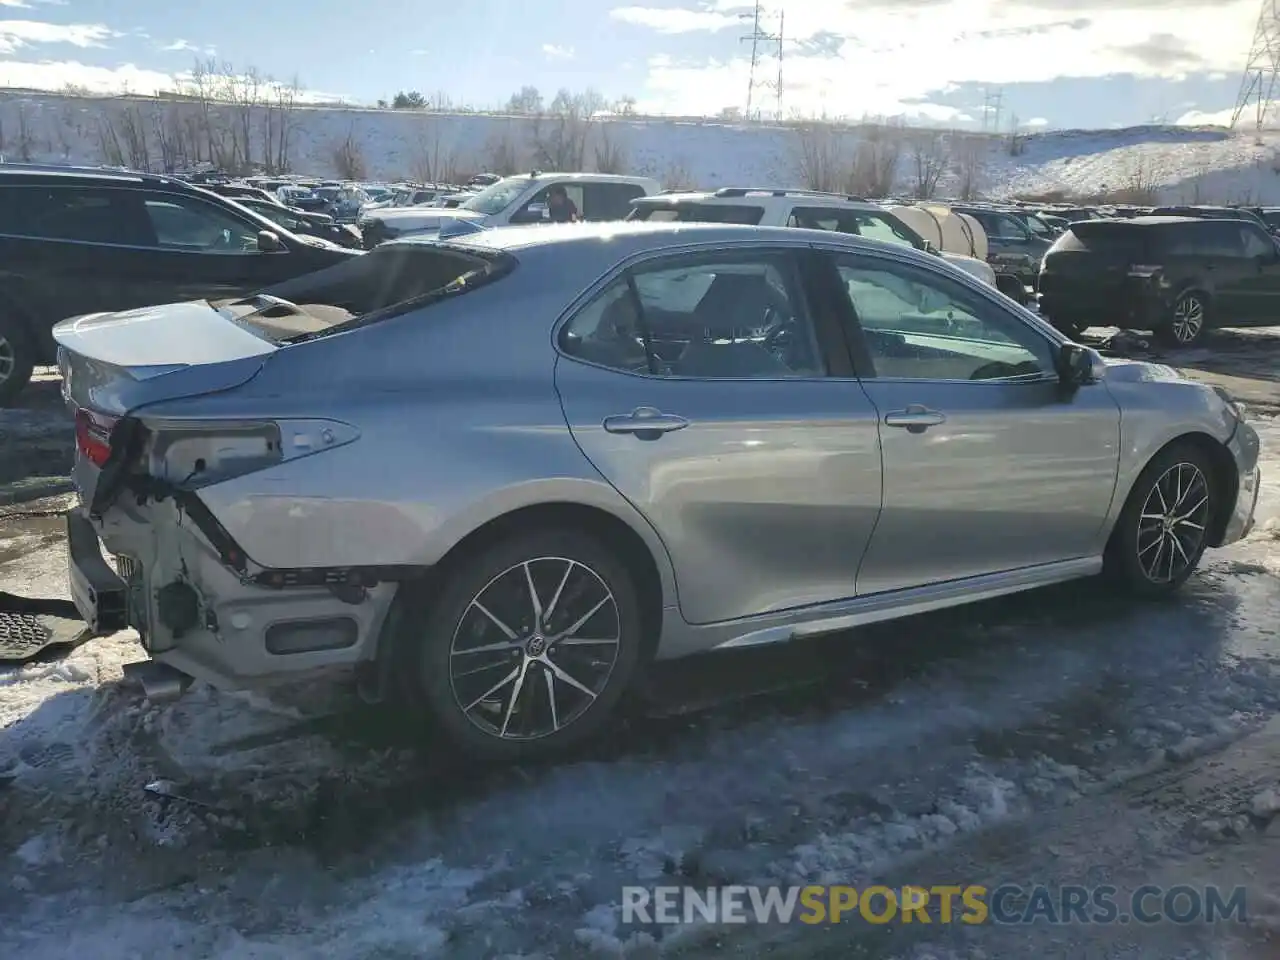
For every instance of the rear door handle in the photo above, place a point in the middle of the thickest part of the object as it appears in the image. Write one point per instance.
(915, 419)
(644, 423)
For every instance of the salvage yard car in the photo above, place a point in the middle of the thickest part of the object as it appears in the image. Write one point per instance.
(499, 474)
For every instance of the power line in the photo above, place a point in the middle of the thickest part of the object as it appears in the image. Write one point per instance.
(1261, 69)
(991, 107)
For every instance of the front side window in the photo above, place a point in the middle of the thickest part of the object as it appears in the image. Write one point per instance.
(185, 223)
(1002, 227)
(920, 325)
(1256, 242)
(860, 223)
(707, 318)
(609, 201)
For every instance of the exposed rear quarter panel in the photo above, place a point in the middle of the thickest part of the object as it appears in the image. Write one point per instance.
(459, 424)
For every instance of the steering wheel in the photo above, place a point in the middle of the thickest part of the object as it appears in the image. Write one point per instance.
(999, 370)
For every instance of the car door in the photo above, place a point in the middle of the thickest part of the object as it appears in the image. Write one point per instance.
(1259, 293)
(69, 249)
(1226, 270)
(989, 465)
(714, 391)
(204, 251)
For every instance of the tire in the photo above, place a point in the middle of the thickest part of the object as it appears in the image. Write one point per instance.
(495, 580)
(1188, 321)
(17, 359)
(1139, 548)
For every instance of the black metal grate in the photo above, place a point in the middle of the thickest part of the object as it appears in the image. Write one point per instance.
(22, 635)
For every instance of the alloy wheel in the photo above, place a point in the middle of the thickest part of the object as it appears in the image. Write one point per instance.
(535, 648)
(8, 359)
(1188, 318)
(1171, 527)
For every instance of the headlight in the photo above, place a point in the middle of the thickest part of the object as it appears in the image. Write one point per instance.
(1238, 409)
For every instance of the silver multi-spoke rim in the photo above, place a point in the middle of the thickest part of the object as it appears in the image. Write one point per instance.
(7, 359)
(535, 648)
(1188, 318)
(1171, 526)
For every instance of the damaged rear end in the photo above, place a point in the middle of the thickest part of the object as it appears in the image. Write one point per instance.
(163, 428)
(199, 603)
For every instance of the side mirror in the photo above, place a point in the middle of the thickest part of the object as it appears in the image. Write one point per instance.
(931, 247)
(1076, 366)
(268, 242)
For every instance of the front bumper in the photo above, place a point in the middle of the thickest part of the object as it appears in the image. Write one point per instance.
(1245, 450)
(196, 614)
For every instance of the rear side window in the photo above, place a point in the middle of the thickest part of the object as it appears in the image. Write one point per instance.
(745, 214)
(85, 214)
(609, 201)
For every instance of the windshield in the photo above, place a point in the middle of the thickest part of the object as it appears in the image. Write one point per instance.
(498, 197)
(886, 227)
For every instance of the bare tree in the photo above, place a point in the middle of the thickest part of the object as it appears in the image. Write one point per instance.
(876, 161)
(348, 158)
(610, 155)
(132, 139)
(26, 141)
(930, 157)
(433, 161)
(525, 102)
(560, 135)
(969, 158)
(818, 157)
(502, 155)
(109, 142)
(677, 176)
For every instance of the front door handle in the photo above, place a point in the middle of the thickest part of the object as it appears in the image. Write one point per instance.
(644, 423)
(916, 418)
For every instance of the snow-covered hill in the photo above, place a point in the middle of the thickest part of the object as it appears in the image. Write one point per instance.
(1177, 163)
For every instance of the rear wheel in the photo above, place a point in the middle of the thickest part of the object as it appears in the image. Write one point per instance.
(529, 646)
(17, 359)
(1188, 321)
(1163, 530)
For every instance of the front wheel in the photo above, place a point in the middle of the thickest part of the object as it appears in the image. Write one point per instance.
(1188, 321)
(1164, 527)
(529, 646)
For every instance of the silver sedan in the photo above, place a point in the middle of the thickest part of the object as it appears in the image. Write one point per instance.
(497, 474)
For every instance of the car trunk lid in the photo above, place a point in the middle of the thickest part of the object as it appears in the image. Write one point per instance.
(112, 364)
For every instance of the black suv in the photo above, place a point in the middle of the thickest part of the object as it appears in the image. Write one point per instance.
(1173, 276)
(75, 241)
(1012, 246)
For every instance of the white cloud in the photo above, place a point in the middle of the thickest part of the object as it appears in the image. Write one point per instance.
(896, 52)
(1037, 122)
(186, 46)
(126, 78)
(554, 52)
(675, 20)
(1212, 118)
(16, 34)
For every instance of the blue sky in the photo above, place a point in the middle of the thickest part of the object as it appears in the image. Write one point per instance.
(1058, 63)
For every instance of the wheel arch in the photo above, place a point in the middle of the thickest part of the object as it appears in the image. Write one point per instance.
(1226, 480)
(613, 531)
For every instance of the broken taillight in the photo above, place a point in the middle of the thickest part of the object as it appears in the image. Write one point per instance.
(93, 435)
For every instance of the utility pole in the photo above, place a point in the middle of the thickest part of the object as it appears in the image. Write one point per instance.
(1261, 69)
(759, 35)
(782, 32)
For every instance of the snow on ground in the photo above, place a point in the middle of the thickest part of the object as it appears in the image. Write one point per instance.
(1185, 164)
(296, 832)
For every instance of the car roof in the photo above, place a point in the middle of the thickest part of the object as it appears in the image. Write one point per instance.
(758, 196)
(595, 247)
(36, 174)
